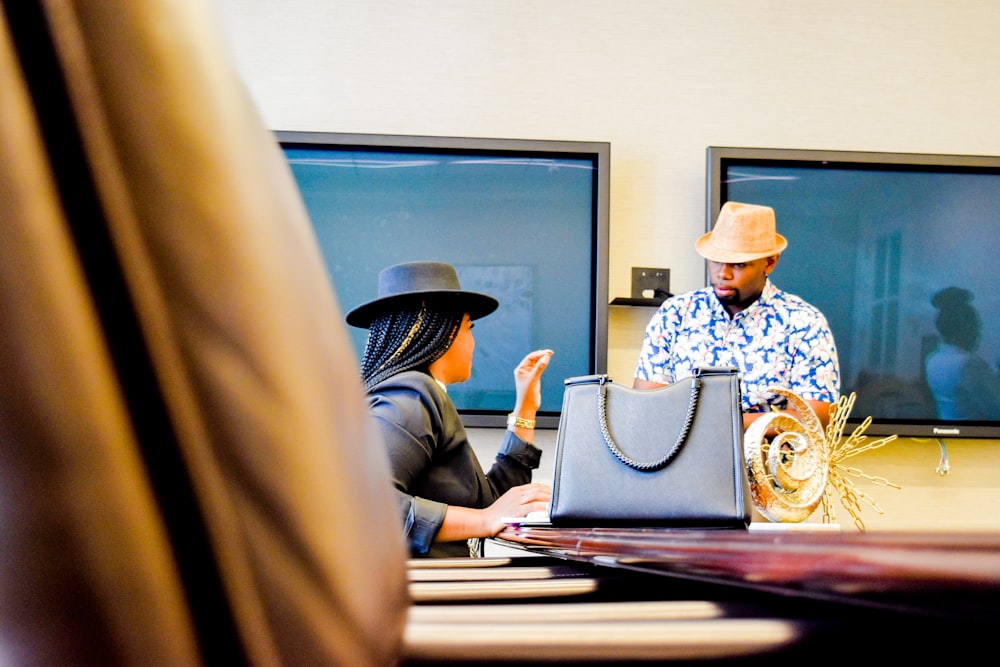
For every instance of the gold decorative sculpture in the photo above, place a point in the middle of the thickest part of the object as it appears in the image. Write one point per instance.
(791, 463)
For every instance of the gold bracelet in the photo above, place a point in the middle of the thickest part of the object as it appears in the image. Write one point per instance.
(520, 422)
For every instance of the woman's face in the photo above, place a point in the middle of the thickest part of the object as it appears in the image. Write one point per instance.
(456, 364)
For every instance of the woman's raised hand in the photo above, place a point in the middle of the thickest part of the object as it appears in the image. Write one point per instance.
(528, 382)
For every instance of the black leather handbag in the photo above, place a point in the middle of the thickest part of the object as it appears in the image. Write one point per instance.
(671, 456)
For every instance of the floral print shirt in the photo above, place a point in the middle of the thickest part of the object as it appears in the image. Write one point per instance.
(780, 340)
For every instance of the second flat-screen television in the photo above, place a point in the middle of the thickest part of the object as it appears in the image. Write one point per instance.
(525, 221)
(898, 251)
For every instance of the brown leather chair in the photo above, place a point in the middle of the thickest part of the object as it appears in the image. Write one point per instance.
(187, 475)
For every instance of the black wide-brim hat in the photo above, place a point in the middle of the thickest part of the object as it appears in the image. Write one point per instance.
(413, 282)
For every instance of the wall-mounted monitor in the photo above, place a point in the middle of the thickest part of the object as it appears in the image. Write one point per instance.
(525, 221)
(898, 251)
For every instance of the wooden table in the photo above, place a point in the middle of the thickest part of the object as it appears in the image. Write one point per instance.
(935, 574)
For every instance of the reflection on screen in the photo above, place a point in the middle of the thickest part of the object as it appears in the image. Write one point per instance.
(871, 248)
(518, 228)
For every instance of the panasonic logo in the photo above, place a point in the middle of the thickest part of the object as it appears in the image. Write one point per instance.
(946, 431)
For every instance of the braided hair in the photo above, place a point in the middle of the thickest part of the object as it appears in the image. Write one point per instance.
(409, 338)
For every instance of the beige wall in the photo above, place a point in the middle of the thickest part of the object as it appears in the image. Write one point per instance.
(900, 479)
(659, 79)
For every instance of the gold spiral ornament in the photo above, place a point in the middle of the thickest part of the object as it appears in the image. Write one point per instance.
(788, 474)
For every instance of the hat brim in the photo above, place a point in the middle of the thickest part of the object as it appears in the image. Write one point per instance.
(713, 253)
(476, 304)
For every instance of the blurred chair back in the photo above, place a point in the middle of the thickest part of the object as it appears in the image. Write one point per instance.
(187, 474)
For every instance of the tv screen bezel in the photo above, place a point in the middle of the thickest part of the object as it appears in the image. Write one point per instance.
(721, 158)
(597, 151)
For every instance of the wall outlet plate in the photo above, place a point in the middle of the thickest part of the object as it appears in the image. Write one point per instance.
(650, 283)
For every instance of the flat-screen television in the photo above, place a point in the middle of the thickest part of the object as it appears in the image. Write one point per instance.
(897, 250)
(525, 221)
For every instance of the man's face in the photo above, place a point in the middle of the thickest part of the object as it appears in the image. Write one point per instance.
(739, 285)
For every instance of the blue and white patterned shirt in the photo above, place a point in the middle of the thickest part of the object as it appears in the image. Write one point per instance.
(780, 340)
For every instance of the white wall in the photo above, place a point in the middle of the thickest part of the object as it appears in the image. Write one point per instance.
(659, 79)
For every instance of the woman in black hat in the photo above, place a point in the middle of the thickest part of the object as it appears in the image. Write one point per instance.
(420, 341)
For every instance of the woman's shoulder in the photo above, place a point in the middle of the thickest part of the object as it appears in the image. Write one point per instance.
(413, 380)
(409, 386)
(406, 398)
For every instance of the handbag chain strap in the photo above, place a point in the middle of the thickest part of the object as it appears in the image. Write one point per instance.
(602, 412)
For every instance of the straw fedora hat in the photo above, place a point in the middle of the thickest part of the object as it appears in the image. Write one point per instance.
(742, 233)
(413, 282)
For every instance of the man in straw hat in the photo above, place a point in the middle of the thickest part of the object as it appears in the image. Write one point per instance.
(742, 320)
(419, 342)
